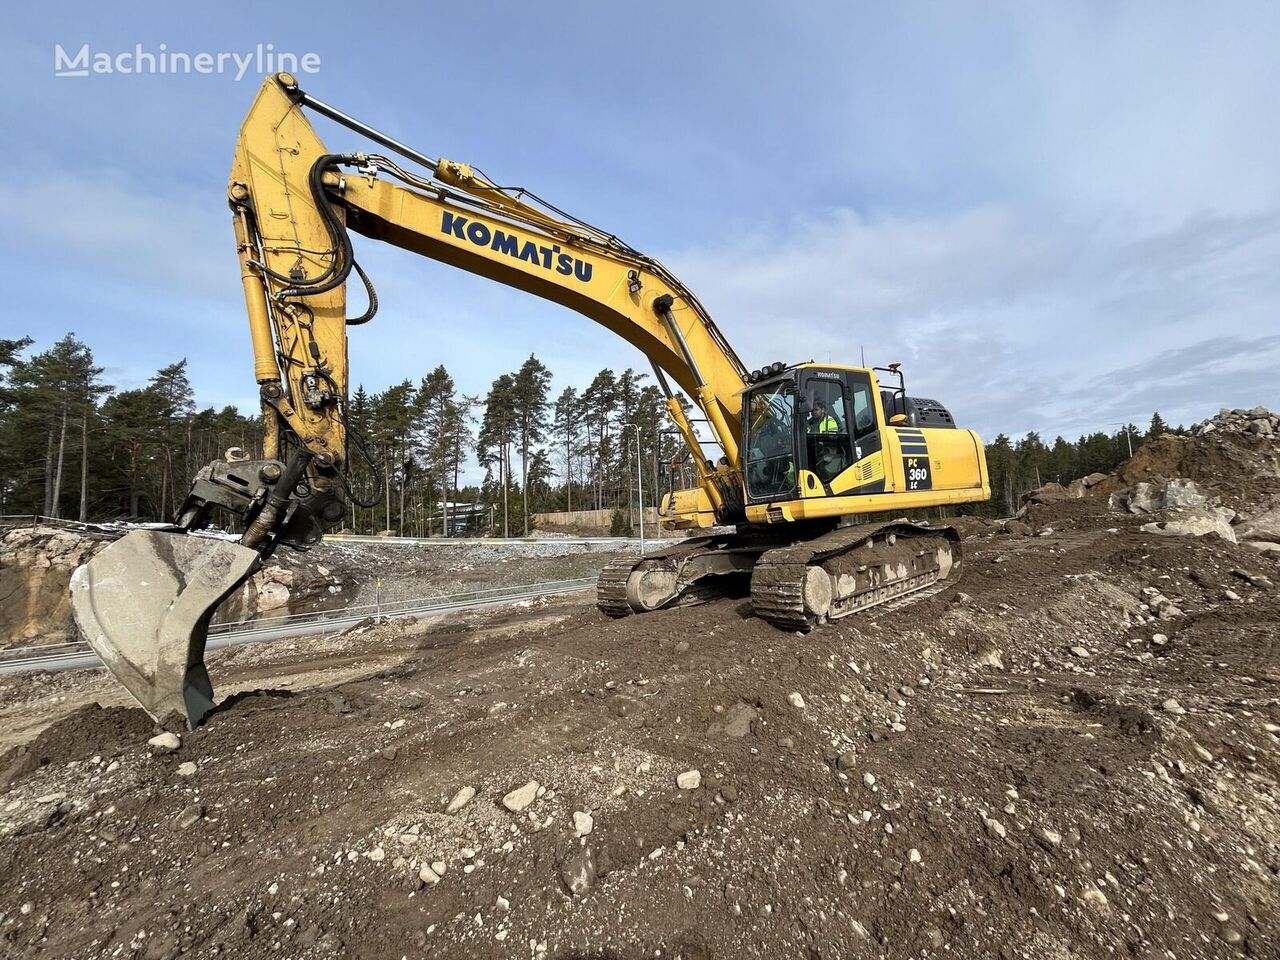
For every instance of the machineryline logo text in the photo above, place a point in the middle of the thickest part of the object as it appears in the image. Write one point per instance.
(262, 59)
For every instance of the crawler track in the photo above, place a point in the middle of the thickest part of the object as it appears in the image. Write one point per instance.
(849, 570)
(691, 571)
(794, 586)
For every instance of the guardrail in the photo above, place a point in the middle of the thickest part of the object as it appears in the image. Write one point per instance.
(393, 608)
(475, 541)
(120, 528)
(76, 652)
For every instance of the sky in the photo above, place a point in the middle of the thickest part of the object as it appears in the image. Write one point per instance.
(1057, 216)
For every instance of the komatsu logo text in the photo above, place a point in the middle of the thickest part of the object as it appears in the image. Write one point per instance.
(549, 257)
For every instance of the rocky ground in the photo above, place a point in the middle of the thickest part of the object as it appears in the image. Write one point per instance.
(1071, 751)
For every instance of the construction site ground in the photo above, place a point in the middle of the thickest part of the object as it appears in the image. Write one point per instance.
(1069, 751)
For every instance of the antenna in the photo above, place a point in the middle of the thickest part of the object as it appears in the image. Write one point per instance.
(863, 353)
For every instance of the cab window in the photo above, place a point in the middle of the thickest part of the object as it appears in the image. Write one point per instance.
(826, 428)
(770, 461)
(863, 409)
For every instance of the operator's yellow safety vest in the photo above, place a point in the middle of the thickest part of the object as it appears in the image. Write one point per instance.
(826, 425)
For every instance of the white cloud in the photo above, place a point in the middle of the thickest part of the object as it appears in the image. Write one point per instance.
(112, 229)
(1014, 324)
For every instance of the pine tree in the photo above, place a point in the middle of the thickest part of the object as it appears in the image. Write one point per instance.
(55, 391)
(497, 431)
(564, 425)
(598, 402)
(10, 447)
(529, 388)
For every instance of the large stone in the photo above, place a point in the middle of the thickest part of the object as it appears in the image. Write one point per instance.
(578, 871)
(521, 797)
(35, 570)
(1193, 525)
(689, 780)
(1264, 526)
(736, 722)
(1145, 498)
(1183, 495)
(165, 742)
(460, 799)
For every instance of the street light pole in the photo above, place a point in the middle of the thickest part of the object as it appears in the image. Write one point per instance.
(1128, 435)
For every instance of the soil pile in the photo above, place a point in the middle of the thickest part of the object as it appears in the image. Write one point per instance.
(1227, 469)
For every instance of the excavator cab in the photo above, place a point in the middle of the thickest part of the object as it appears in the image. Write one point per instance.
(771, 413)
(805, 427)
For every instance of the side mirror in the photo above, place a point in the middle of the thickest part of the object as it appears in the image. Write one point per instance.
(898, 419)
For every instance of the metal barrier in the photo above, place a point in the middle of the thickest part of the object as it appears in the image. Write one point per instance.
(394, 608)
(248, 631)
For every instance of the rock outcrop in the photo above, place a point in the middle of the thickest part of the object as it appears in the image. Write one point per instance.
(36, 566)
(35, 569)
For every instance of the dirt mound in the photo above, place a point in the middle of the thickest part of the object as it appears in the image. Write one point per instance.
(1225, 472)
(89, 730)
(1241, 469)
(1072, 750)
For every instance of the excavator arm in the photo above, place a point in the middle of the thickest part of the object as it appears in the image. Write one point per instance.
(294, 203)
(144, 603)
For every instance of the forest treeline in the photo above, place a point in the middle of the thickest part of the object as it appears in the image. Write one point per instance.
(74, 446)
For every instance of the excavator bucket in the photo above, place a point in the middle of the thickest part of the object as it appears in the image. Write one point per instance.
(144, 605)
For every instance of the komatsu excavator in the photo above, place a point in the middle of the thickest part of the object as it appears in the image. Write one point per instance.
(807, 450)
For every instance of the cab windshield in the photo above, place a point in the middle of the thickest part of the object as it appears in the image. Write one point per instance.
(771, 464)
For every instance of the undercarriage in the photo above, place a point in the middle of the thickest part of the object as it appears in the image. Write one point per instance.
(794, 585)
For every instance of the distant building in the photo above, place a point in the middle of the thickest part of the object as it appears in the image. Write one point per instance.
(461, 518)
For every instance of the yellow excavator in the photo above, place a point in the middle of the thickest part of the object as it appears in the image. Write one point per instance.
(807, 450)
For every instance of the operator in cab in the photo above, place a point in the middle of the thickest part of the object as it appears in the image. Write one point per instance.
(820, 421)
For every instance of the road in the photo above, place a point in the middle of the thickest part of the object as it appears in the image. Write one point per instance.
(78, 656)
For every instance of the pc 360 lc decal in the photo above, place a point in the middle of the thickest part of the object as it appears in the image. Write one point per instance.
(549, 258)
(915, 459)
(916, 470)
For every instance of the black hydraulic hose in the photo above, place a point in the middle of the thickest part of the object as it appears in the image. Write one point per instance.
(375, 471)
(277, 500)
(373, 298)
(336, 273)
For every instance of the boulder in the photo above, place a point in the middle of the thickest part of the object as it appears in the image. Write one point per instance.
(1198, 524)
(35, 572)
(1263, 526)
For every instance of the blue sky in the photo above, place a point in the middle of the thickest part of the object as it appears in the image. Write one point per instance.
(1057, 216)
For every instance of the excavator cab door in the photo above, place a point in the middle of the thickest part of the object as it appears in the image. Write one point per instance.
(841, 430)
